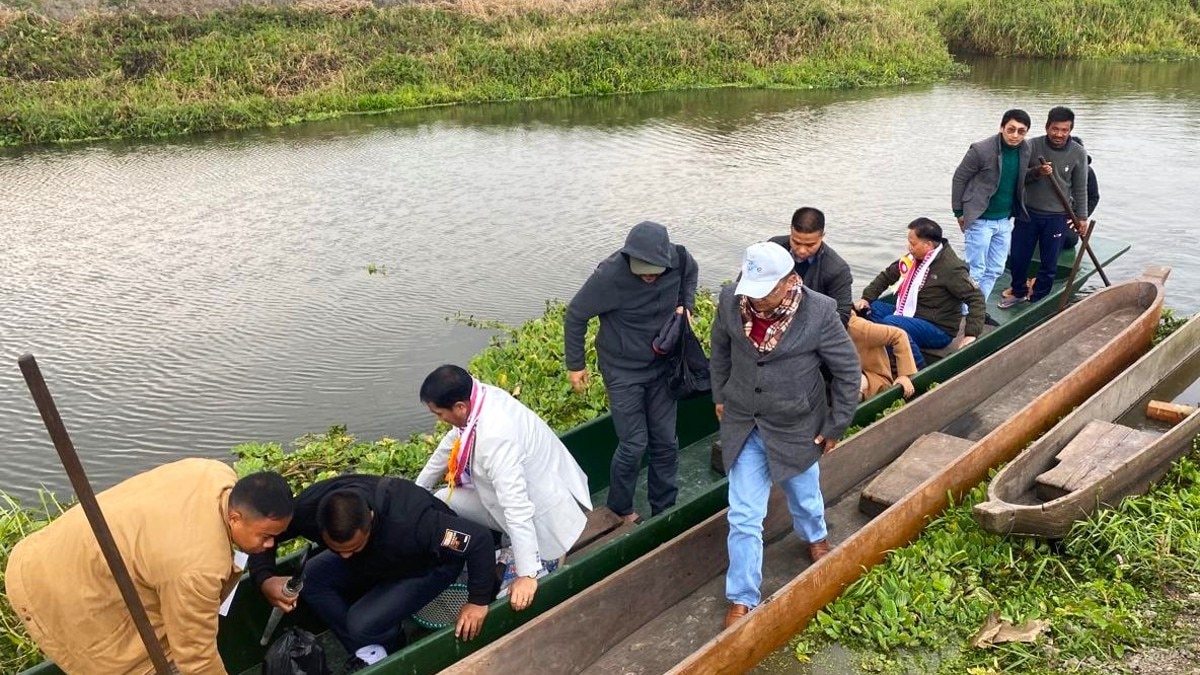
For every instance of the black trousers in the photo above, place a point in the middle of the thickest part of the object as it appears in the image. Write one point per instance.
(362, 612)
(643, 413)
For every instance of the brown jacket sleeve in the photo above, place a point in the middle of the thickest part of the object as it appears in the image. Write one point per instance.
(189, 607)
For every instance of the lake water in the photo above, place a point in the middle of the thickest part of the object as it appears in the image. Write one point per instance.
(184, 296)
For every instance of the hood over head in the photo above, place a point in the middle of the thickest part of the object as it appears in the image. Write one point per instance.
(649, 248)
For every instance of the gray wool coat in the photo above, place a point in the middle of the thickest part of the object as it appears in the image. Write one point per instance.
(782, 392)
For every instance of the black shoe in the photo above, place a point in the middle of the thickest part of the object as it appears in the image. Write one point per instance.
(353, 665)
(989, 321)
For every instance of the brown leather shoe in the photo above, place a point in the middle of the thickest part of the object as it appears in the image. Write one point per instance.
(735, 612)
(818, 549)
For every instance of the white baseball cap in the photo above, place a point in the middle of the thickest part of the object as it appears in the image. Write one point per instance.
(764, 264)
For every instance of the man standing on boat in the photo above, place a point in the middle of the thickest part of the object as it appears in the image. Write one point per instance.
(1046, 223)
(392, 548)
(934, 286)
(987, 189)
(634, 291)
(819, 266)
(770, 338)
(175, 527)
(505, 468)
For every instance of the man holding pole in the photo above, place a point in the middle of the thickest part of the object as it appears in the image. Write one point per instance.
(1055, 165)
(175, 527)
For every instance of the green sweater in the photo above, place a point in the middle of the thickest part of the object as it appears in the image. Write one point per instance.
(1000, 205)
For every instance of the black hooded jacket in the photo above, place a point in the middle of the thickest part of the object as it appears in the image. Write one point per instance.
(631, 311)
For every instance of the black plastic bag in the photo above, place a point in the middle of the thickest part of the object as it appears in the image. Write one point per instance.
(688, 374)
(296, 652)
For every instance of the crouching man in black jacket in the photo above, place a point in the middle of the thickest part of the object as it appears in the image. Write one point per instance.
(392, 548)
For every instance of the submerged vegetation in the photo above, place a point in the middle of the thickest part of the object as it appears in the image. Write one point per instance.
(131, 74)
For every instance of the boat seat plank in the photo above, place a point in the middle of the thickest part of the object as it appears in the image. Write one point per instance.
(926, 456)
(600, 521)
(1098, 449)
(955, 344)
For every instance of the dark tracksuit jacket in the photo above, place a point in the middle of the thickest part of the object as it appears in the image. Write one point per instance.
(828, 274)
(631, 311)
(412, 532)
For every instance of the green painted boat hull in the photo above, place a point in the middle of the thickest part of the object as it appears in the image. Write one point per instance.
(592, 445)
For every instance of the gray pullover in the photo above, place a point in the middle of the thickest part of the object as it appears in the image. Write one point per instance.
(1070, 170)
(631, 311)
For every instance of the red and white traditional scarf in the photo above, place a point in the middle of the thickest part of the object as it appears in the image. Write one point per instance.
(912, 277)
(458, 468)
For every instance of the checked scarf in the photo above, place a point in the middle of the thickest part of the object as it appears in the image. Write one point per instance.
(780, 318)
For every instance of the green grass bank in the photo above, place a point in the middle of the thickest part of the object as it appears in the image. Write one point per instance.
(130, 74)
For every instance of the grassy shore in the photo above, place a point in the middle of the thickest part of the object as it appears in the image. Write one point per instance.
(134, 74)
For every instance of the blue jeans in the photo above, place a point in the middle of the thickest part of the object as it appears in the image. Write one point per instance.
(749, 488)
(362, 611)
(921, 333)
(1044, 231)
(986, 244)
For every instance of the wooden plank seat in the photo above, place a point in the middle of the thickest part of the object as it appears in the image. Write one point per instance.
(926, 456)
(955, 344)
(1095, 452)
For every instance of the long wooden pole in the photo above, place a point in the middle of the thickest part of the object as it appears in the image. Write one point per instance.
(1066, 204)
(91, 508)
(1066, 295)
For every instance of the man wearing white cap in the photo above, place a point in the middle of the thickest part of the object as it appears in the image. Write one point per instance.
(769, 340)
(634, 292)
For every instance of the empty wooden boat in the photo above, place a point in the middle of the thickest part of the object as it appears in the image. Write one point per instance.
(663, 612)
(1092, 459)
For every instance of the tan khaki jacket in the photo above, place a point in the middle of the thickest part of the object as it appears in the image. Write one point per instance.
(171, 528)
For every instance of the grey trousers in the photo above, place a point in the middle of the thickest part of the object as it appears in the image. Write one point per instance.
(643, 413)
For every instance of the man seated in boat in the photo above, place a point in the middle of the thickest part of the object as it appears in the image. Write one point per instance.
(934, 285)
(174, 527)
(505, 468)
(877, 344)
(392, 548)
(770, 338)
(818, 265)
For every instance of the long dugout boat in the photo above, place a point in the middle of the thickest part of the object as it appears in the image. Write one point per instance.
(663, 613)
(1103, 451)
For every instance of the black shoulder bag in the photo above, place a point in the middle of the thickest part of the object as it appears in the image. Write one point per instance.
(687, 374)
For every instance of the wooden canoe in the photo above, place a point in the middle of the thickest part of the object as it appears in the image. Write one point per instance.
(701, 495)
(663, 612)
(1091, 459)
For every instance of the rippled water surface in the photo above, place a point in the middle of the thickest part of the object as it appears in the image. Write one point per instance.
(185, 296)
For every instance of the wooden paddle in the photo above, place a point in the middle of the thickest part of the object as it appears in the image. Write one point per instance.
(91, 508)
(1066, 204)
(1083, 243)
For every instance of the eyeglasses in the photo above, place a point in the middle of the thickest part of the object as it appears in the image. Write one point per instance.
(1018, 131)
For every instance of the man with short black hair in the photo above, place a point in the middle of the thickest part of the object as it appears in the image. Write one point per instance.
(987, 189)
(817, 264)
(393, 547)
(174, 526)
(1045, 224)
(505, 468)
(934, 286)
